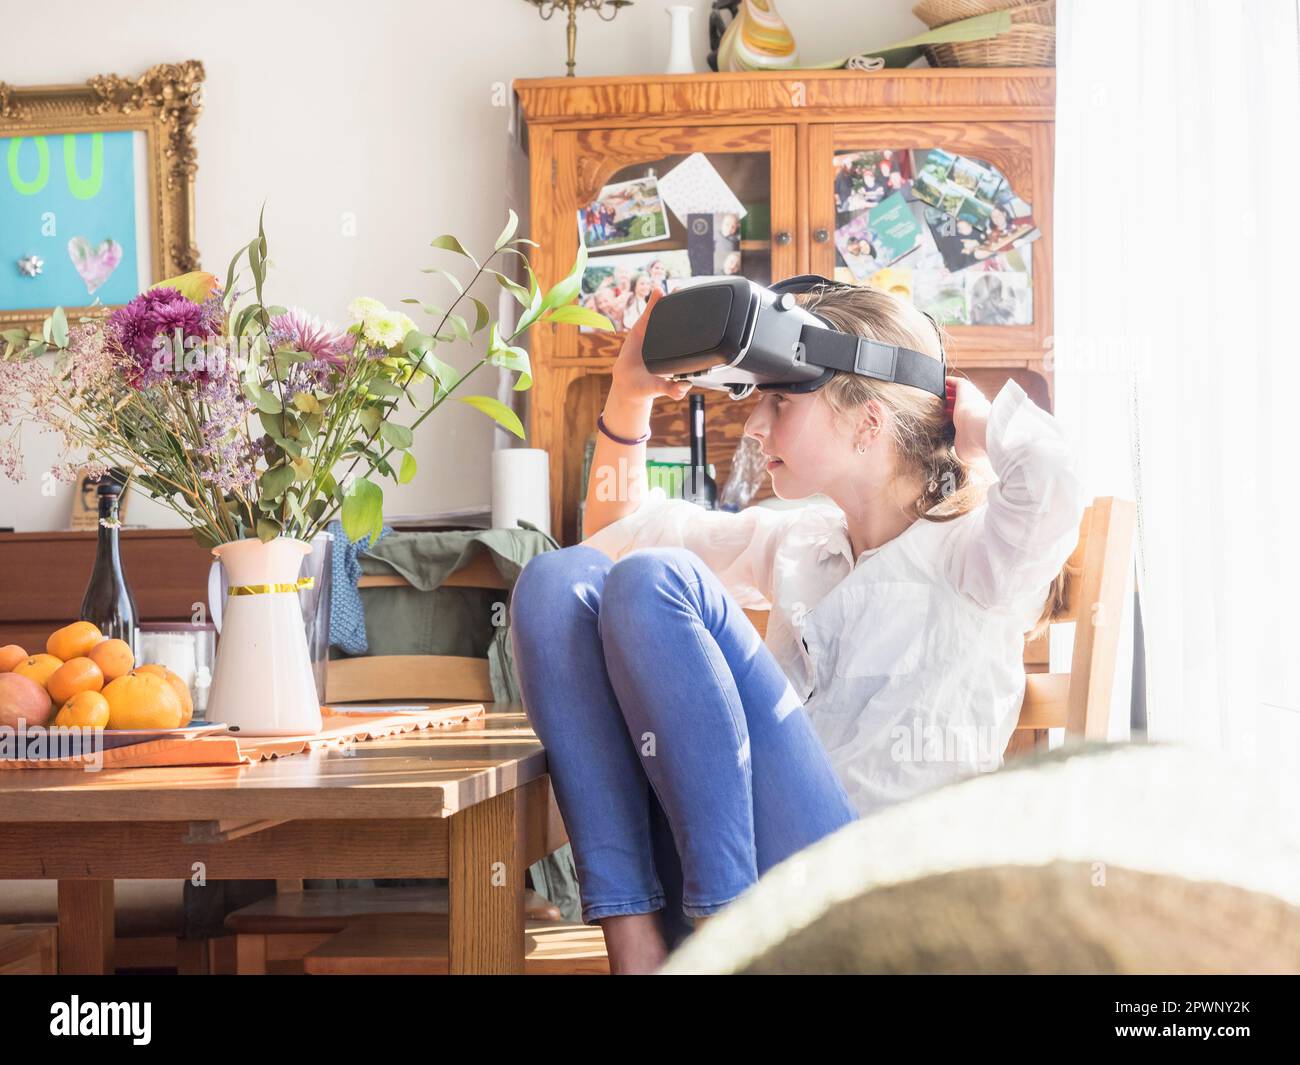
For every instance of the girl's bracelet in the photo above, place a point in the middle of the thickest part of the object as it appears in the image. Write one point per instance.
(600, 424)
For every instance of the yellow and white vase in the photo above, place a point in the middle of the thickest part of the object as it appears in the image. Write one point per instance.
(263, 682)
(757, 39)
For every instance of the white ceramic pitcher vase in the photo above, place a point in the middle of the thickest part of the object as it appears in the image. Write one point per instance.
(263, 683)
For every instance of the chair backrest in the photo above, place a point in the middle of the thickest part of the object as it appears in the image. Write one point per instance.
(1096, 579)
(1096, 576)
(438, 677)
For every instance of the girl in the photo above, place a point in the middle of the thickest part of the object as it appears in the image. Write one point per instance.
(687, 755)
(638, 298)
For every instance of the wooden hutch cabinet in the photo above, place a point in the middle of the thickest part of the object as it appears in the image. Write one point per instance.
(774, 137)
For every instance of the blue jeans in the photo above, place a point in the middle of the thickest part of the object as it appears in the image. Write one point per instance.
(682, 760)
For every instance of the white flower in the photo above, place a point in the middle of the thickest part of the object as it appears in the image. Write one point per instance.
(363, 308)
(384, 330)
(388, 329)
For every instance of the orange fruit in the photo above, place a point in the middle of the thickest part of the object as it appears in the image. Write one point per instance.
(73, 641)
(10, 655)
(142, 700)
(88, 709)
(178, 686)
(39, 667)
(113, 657)
(75, 675)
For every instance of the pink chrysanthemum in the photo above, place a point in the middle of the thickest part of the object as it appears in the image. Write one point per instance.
(299, 331)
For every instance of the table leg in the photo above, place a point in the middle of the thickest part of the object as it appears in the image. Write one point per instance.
(486, 887)
(86, 935)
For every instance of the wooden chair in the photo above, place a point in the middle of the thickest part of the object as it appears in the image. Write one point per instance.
(278, 933)
(380, 677)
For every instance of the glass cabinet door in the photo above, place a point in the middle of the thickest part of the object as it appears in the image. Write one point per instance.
(954, 217)
(667, 207)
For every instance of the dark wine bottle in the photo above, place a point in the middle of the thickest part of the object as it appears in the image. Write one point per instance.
(108, 602)
(700, 487)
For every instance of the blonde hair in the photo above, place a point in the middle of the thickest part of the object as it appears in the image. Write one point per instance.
(922, 435)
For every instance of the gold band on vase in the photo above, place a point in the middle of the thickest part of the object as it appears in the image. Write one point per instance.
(267, 589)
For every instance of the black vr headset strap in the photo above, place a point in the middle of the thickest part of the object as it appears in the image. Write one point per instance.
(870, 358)
(834, 350)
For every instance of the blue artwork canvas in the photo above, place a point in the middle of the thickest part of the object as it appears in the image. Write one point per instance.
(69, 199)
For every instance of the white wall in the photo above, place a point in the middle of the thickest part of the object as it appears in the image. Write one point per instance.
(380, 108)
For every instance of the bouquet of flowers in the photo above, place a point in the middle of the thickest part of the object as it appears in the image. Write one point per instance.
(251, 419)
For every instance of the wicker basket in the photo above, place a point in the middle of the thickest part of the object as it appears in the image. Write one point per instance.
(936, 13)
(1020, 46)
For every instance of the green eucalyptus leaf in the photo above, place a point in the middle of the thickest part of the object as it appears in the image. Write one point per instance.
(443, 373)
(275, 481)
(480, 313)
(566, 289)
(59, 328)
(497, 411)
(382, 388)
(268, 529)
(363, 510)
(449, 243)
(535, 305)
(518, 291)
(511, 225)
(370, 418)
(454, 281)
(406, 474)
(263, 400)
(272, 424)
(573, 314)
(398, 436)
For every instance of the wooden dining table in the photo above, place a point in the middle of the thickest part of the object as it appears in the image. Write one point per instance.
(471, 803)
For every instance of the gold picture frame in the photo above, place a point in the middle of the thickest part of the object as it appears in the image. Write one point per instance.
(163, 104)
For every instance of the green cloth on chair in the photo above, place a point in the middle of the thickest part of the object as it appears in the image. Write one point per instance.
(427, 619)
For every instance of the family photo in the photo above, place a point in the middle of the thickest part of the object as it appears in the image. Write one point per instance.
(625, 214)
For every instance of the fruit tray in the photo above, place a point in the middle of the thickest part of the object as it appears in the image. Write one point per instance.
(204, 746)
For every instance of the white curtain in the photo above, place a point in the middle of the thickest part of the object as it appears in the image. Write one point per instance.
(1177, 264)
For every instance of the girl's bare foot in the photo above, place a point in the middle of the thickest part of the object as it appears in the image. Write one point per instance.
(635, 944)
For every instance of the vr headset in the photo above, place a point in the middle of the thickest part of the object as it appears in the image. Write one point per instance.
(737, 336)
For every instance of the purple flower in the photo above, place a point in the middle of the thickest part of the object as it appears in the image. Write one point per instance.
(154, 327)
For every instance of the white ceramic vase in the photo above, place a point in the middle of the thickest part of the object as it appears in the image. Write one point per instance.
(679, 39)
(263, 683)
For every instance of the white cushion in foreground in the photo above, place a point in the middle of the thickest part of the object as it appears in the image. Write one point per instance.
(1108, 859)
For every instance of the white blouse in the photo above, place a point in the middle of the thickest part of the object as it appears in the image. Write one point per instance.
(910, 662)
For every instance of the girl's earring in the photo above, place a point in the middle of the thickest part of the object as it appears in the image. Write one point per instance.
(862, 449)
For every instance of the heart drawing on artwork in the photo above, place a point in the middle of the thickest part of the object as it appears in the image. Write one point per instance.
(95, 265)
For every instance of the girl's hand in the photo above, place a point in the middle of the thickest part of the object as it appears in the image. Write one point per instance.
(969, 412)
(632, 381)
